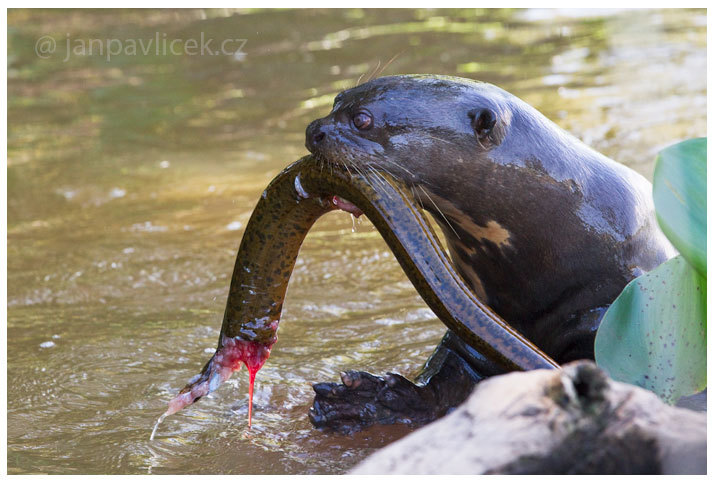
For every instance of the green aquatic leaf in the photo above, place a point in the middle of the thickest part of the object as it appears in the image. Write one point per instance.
(680, 197)
(654, 334)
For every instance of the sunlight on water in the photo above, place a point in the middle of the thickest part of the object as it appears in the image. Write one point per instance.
(130, 181)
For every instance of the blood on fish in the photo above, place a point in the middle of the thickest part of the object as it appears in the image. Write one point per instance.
(232, 353)
(252, 372)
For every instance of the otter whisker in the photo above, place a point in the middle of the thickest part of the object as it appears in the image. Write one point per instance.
(361, 171)
(441, 139)
(377, 173)
(380, 176)
(394, 57)
(374, 72)
(376, 177)
(440, 212)
(416, 196)
(347, 167)
(389, 161)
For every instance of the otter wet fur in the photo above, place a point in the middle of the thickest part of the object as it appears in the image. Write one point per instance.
(543, 229)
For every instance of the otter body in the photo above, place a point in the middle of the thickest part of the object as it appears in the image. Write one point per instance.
(545, 230)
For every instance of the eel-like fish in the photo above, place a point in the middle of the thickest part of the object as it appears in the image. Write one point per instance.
(287, 209)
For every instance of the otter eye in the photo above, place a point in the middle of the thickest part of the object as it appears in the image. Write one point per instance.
(362, 120)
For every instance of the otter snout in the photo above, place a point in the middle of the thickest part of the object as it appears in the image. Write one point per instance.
(314, 135)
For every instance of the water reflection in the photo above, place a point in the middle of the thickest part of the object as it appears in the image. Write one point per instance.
(130, 181)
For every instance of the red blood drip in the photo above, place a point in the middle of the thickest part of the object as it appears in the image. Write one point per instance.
(253, 355)
(253, 363)
(225, 361)
(252, 374)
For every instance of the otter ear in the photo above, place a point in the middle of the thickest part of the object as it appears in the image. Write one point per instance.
(483, 121)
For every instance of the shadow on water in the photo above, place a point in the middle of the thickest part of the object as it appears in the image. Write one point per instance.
(131, 176)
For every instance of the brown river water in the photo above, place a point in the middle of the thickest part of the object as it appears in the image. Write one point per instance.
(132, 175)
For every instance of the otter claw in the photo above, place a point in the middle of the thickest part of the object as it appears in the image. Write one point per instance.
(394, 379)
(364, 399)
(347, 379)
(323, 389)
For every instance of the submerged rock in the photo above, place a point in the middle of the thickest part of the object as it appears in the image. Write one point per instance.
(573, 420)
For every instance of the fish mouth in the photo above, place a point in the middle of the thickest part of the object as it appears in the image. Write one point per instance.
(339, 202)
(347, 206)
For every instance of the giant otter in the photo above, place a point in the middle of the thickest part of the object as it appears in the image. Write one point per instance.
(544, 229)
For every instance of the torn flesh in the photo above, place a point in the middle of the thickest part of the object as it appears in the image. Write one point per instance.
(228, 358)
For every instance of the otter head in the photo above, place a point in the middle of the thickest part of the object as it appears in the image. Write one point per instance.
(404, 124)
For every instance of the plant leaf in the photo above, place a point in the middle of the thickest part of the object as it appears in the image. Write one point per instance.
(654, 333)
(680, 197)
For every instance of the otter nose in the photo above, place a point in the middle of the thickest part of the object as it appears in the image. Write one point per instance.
(314, 134)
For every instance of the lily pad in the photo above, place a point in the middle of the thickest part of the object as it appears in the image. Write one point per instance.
(680, 197)
(654, 334)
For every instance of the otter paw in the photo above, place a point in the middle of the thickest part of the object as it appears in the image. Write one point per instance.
(364, 399)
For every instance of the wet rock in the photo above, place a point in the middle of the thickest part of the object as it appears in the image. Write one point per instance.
(572, 421)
